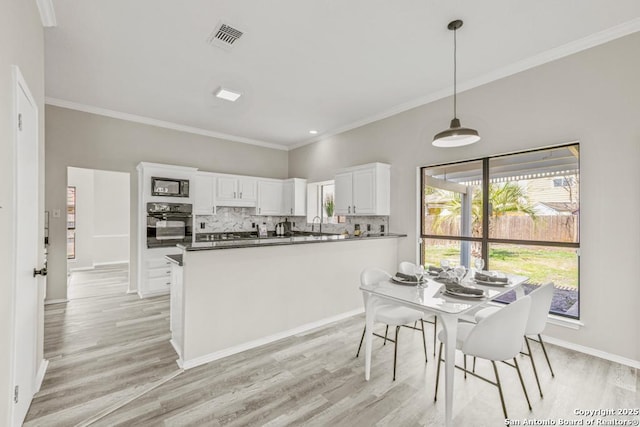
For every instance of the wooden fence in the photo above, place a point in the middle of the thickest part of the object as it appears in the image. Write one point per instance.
(557, 228)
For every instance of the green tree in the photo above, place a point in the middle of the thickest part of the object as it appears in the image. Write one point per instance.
(503, 199)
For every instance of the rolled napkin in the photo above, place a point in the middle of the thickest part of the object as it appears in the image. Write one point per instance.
(407, 277)
(434, 269)
(489, 278)
(464, 290)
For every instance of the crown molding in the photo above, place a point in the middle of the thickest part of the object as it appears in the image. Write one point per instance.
(47, 13)
(158, 123)
(576, 46)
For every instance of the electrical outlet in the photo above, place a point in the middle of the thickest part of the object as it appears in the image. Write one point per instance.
(368, 227)
(253, 225)
(202, 226)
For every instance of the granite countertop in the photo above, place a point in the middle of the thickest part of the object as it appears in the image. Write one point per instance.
(176, 259)
(293, 240)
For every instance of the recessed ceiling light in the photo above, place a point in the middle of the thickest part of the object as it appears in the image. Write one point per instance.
(313, 132)
(227, 94)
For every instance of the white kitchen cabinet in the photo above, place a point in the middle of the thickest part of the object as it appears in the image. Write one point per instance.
(234, 190)
(363, 190)
(270, 192)
(204, 193)
(176, 323)
(156, 274)
(294, 197)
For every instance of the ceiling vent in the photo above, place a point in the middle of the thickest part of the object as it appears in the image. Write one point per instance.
(224, 36)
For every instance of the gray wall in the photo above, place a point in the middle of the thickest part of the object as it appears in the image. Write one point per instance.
(86, 140)
(21, 44)
(592, 97)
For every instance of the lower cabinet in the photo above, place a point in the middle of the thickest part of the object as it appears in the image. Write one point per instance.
(156, 277)
(176, 309)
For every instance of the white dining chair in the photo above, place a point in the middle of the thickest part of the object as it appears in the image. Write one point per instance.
(407, 267)
(541, 299)
(497, 337)
(391, 315)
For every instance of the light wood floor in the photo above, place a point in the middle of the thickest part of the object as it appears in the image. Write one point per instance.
(108, 347)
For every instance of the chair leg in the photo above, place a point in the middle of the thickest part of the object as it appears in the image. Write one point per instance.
(465, 365)
(395, 353)
(504, 408)
(361, 339)
(424, 341)
(414, 324)
(385, 335)
(474, 365)
(435, 333)
(544, 350)
(533, 365)
(435, 396)
(515, 362)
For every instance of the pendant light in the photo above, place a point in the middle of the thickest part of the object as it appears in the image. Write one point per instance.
(455, 136)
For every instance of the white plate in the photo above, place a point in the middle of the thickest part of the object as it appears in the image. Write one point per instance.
(482, 282)
(405, 282)
(460, 295)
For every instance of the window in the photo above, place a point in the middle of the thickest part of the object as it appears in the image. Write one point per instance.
(321, 202)
(71, 222)
(518, 212)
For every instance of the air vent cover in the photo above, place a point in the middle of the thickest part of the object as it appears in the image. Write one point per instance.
(224, 36)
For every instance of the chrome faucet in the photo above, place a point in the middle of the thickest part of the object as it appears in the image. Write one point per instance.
(313, 223)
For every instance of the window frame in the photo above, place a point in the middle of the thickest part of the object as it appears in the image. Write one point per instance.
(485, 240)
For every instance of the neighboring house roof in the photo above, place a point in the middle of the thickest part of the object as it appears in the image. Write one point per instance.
(555, 208)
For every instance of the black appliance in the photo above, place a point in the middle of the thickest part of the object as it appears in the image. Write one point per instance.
(169, 187)
(168, 224)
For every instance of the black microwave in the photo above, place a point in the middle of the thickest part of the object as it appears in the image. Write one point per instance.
(169, 187)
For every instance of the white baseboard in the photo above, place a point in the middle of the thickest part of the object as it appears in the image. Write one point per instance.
(142, 294)
(188, 364)
(55, 301)
(177, 349)
(40, 375)
(81, 269)
(592, 352)
(99, 264)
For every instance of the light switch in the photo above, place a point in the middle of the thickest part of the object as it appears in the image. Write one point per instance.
(56, 213)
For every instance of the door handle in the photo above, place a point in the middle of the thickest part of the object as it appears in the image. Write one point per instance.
(354, 209)
(349, 209)
(42, 272)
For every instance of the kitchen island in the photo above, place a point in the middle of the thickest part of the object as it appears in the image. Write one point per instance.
(230, 296)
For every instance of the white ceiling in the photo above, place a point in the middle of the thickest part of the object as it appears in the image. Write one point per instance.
(329, 65)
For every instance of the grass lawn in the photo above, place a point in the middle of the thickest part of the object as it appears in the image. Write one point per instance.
(540, 264)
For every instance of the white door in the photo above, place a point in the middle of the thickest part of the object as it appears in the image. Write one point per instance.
(248, 189)
(26, 254)
(269, 197)
(227, 188)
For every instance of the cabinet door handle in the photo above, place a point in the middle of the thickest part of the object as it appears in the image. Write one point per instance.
(291, 210)
(241, 194)
(354, 209)
(259, 210)
(349, 209)
(234, 194)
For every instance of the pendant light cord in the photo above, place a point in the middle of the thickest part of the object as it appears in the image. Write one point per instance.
(455, 77)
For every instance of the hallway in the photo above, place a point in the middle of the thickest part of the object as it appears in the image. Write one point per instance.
(103, 347)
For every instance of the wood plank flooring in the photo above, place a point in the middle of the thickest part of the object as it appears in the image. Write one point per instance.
(105, 349)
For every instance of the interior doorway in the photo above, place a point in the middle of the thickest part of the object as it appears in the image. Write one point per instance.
(98, 231)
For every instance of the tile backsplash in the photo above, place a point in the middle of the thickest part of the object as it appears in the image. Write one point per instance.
(229, 219)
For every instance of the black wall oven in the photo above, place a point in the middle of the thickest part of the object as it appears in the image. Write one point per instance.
(168, 224)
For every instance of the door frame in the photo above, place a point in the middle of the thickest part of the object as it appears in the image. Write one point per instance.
(19, 84)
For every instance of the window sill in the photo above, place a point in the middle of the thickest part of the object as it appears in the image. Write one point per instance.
(565, 322)
(554, 319)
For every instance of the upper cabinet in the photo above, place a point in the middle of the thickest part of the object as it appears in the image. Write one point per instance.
(363, 190)
(270, 192)
(282, 197)
(232, 190)
(295, 197)
(204, 193)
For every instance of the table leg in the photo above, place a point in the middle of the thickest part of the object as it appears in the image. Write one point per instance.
(368, 336)
(449, 324)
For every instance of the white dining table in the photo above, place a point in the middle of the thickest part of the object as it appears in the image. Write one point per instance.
(431, 299)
